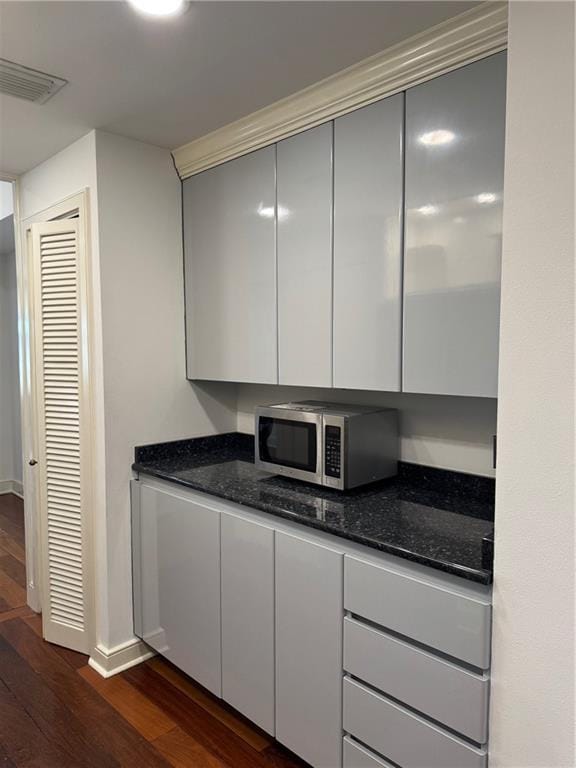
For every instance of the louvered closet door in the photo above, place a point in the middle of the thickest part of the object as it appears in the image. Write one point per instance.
(57, 275)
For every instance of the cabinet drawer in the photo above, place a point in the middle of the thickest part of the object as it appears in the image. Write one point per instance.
(357, 756)
(438, 616)
(403, 737)
(452, 695)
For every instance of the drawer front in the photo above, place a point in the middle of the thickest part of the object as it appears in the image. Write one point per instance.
(357, 756)
(453, 696)
(446, 620)
(401, 736)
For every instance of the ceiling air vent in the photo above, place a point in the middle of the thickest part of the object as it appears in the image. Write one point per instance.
(26, 83)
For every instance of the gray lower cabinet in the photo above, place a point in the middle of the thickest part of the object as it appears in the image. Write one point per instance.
(304, 179)
(357, 756)
(368, 169)
(447, 692)
(351, 658)
(435, 612)
(309, 650)
(247, 552)
(453, 230)
(401, 735)
(230, 270)
(176, 546)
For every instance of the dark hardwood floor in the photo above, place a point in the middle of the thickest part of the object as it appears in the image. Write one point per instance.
(57, 712)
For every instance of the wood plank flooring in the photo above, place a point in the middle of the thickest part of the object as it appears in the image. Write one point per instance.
(57, 712)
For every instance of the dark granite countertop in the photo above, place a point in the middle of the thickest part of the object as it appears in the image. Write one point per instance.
(434, 517)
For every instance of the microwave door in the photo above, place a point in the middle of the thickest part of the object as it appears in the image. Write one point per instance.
(290, 443)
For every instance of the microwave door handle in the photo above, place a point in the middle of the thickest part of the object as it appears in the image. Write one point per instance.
(320, 449)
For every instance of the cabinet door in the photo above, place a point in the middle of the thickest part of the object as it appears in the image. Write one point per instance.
(309, 618)
(454, 180)
(368, 246)
(177, 583)
(304, 173)
(230, 270)
(247, 551)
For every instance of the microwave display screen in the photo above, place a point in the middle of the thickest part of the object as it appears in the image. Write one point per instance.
(288, 443)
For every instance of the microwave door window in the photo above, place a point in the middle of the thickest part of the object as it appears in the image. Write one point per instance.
(288, 443)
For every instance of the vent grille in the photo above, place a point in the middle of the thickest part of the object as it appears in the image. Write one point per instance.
(28, 84)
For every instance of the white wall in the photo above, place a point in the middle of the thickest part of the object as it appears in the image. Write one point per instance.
(67, 173)
(10, 435)
(532, 713)
(141, 392)
(448, 432)
(147, 397)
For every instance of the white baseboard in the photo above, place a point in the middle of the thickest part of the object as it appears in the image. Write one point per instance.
(12, 486)
(111, 661)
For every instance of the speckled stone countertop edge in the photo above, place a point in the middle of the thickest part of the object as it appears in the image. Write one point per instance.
(463, 483)
(239, 442)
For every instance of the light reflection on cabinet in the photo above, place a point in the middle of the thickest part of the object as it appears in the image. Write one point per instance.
(230, 270)
(453, 230)
(293, 253)
(368, 246)
(304, 177)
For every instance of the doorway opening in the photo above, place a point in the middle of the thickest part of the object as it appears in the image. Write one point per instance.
(12, 541)
(50, 534)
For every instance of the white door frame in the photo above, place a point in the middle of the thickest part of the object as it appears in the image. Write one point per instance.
(71, 205)
(33, 597)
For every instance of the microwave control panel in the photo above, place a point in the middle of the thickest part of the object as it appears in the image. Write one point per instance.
(332, 451)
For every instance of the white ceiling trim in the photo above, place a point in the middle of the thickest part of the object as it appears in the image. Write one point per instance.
(464, 38)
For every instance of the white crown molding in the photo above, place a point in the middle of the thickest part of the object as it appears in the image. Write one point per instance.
(460, 40)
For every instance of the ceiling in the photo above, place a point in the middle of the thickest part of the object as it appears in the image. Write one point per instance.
(169, 81)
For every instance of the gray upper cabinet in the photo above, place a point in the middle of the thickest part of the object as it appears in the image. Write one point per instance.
(230, 270)
(361, 254)
(454, 180)
(304, 174)
(367, 246)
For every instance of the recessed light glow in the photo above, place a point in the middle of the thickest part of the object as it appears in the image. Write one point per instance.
(428, 210)
(436, 138)
(159, 7)
(486, 197)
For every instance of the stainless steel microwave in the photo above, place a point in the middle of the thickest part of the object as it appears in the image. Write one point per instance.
(339, 446)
